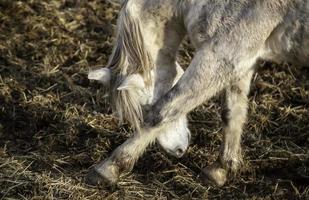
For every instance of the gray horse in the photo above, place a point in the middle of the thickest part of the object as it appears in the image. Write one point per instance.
(151, 91)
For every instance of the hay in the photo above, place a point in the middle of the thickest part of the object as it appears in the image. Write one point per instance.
(55, 124)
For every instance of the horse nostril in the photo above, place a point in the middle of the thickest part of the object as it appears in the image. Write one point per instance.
(179, 152)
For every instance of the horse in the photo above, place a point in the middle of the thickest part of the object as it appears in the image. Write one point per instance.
(150, 90)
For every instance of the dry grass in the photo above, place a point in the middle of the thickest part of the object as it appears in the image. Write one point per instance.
(55, 124)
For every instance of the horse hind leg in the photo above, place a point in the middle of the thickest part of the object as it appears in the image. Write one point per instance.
(234, 117)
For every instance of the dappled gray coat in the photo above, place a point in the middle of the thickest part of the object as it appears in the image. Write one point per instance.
(229, 37)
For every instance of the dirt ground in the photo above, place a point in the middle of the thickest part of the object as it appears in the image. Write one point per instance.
(55, 124)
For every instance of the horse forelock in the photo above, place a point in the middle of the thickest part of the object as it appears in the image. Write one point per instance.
(129, 56)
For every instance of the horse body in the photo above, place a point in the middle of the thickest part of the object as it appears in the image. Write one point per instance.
(229, 37)
(289, 41)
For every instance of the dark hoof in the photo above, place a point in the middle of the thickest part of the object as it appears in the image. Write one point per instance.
(214, 175)
(94, 178)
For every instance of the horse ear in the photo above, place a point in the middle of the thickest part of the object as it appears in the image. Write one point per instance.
(134, 81)
(117, 1)
(102, 75)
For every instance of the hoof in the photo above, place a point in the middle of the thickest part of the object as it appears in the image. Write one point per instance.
(214, 174)
(106, 173)
(93, 178)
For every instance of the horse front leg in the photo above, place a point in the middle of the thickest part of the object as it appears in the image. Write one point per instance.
(233, 117)
(206, 76)
(122, 159)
